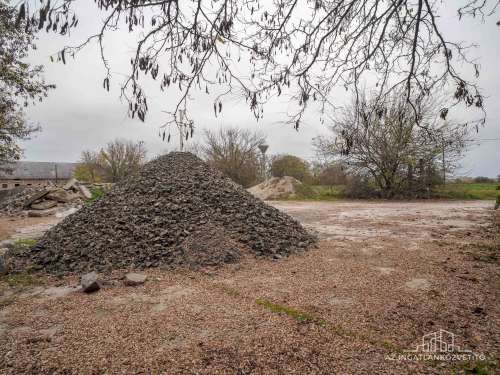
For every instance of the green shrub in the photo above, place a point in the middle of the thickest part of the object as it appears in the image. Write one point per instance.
(305, 191)
(360, 187)
(318, 192)
(289, 165)
(96, 193)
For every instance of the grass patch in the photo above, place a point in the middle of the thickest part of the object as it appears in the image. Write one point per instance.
(290, 311)
(469, 191)
(21, 279)
(25, 242)
(305, 317)
(328, 192)
(96, 194)
(317, 193)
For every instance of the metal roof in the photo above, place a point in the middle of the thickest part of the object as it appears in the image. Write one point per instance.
(38, 170)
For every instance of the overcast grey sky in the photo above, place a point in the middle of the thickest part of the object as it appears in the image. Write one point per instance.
(79, 114)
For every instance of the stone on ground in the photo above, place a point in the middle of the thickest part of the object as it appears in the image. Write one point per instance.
(61, 196)
(90, 282)
(43, 213)
(84, 191)
(70, 184)
(133, 279)
(44, 205)
(35, 196)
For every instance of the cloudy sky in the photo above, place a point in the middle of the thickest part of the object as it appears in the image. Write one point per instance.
(79, 114)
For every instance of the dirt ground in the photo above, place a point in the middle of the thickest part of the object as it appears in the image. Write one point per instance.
(13, 228)
(383, 275)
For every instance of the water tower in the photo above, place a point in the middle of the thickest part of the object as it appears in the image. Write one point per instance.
(263, 148)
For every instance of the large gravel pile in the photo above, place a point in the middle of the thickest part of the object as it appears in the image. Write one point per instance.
(179, 211)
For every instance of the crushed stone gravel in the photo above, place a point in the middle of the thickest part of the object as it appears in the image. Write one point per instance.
(177, 212)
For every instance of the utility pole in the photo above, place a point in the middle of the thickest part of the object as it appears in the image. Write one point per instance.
(444, 168)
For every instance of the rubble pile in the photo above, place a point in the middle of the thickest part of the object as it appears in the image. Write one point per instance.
(178, 211)
(276, 188)
(45, 201)
(13, 200)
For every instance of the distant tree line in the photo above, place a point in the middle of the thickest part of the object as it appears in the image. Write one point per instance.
(486, 180)
(118, 160)
(377, 148)
(392, 156)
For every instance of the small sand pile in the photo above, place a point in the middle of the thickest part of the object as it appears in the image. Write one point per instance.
(276, 188)
(178, 211)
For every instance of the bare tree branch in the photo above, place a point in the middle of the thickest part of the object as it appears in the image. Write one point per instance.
(261, 49)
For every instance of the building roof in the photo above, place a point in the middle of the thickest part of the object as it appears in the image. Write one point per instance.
(39, 170)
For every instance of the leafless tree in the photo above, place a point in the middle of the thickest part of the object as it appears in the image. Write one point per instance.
(90, 167)
(121, 159)
(196, 148)
(302, 48)
(379, 137)
(235, 152)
